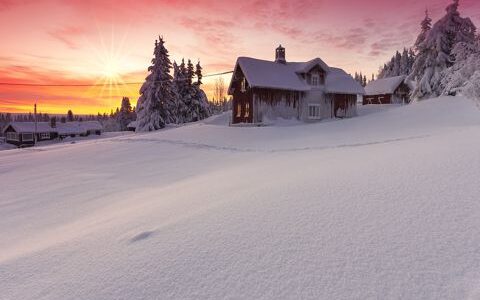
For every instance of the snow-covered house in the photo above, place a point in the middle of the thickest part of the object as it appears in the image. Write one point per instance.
(79, 128)
(388, 91)
(308, 91)
(23, 133)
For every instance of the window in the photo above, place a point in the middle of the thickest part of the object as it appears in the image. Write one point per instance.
(12, 136)
(45, 135)
(314, 111)
(315, 80)
(239, 110)
(322, 78)
(27, 137)
(243, 85)
(247, 110)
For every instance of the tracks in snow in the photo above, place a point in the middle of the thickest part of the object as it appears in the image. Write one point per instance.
(196, 145)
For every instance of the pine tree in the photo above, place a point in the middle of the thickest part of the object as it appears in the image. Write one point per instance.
(435, 51)
(181, 88)
(69, 116)
(156, 104)
(426, 26)
(202, 107)
(404, 63)
(125, 114)
(464, 75)
(190, 72)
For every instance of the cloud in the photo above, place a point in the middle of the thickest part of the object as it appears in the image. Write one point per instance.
(68, 35)
(211, 33)
(353, 38)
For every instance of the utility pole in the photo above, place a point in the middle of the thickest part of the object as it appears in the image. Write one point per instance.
(35, 116)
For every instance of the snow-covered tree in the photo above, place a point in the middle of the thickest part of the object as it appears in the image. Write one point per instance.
(399, 64)
(156, 105)
(404, 63)
(360, 78)
(464, 75)
(198, 73)
(194, 99)
(435, 51)
(125, 114)
(180, 88)
(426, 26)
(202, 107)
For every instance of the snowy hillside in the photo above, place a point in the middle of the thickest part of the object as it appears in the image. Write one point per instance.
(383, 206)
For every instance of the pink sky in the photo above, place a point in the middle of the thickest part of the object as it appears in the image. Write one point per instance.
(85, 41)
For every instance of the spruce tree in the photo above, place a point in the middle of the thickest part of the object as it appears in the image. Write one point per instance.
(179, 89)
(200, 98)
(464, 75)
(156, 104)
(198, 73)
(70, 116)
(125, 114)
(435, 51)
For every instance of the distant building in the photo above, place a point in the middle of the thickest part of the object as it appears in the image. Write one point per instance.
(392, 90)
(23, 133)
(132, 126)
(307, 91)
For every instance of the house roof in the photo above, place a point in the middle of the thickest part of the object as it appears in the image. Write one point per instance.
(268, 74)
(70, 128)
(62, 128)
(30, 127)
(132, 124)
(384, 85)
(286, 76)
(338, 81)
(78, 127)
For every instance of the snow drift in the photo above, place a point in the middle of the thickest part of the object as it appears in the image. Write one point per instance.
(380, 206)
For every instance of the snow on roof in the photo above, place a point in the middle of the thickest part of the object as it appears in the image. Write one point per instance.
(338, 81)
(78, 127)
(307, 66)
(384, 85)
(62, 128)
(30, 127)
(268, 74)
(91, 125)
(132, 124)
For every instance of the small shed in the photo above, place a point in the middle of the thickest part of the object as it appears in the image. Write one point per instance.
(392, 90)
(132, 126)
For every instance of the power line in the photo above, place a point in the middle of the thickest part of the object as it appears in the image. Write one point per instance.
(93, 84)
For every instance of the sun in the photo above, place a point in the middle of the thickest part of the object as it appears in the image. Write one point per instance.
(111, 68)
(110, 63)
